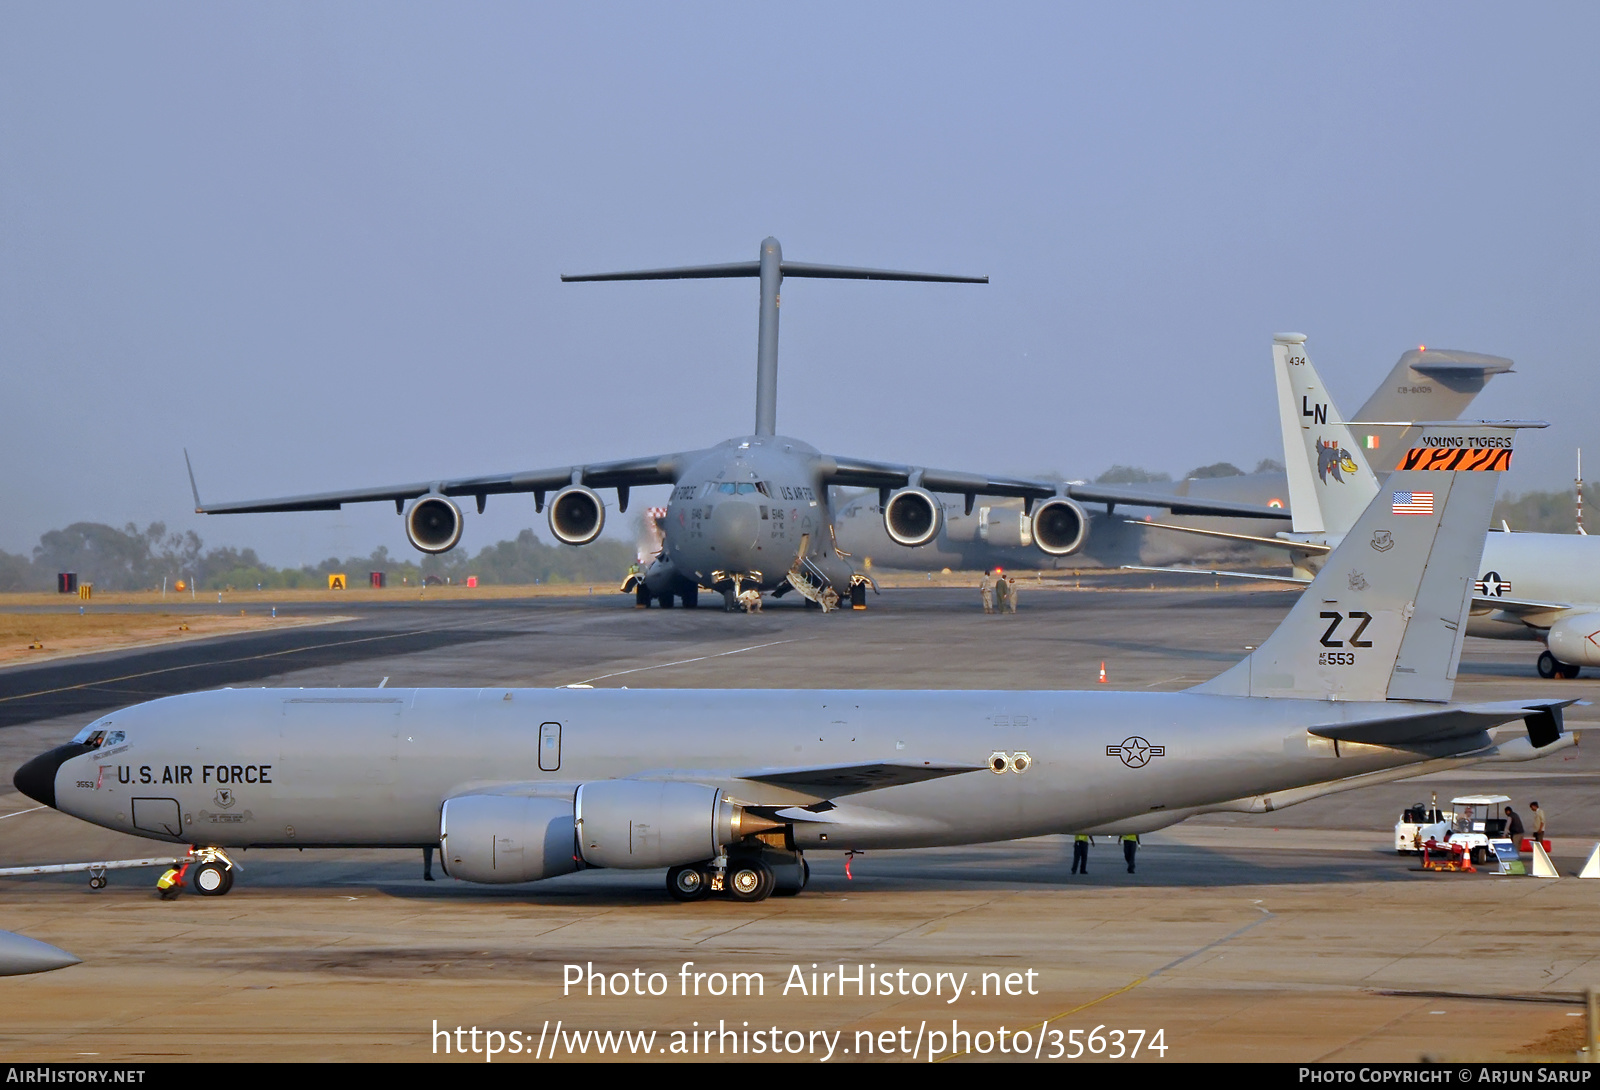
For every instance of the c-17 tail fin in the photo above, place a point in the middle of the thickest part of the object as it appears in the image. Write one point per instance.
(1385, 617)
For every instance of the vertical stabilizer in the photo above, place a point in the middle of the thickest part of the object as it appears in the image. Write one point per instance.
(1330, 481)
(1427, 384)
(1385, 617)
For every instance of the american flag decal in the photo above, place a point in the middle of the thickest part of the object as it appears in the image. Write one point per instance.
(1413, 503)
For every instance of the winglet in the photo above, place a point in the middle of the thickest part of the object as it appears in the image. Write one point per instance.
(199, 508)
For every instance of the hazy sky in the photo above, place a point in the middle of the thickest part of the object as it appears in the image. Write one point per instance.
(319, 243)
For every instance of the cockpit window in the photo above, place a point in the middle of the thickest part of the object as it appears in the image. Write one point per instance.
(742, 488)
(95, 738)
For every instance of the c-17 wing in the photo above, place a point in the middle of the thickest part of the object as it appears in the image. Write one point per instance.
(622, 475)
(885, 475)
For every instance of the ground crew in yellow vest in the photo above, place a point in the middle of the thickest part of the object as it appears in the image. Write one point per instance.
(1080, 853)
(1130, 847)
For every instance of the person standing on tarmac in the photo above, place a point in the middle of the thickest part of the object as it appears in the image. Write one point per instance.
(1002, 594)
(1011, 594)
(1538, 821)
(1130, 847)
(1080, 853)
(1514, 831)
(986, 587)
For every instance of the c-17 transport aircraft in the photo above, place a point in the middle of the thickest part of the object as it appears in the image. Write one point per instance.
(753, 512)
(728, 788)
(1533, 586)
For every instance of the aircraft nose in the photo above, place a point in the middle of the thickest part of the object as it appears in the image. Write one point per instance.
(20, 954)
(735, 525)
(37, 778)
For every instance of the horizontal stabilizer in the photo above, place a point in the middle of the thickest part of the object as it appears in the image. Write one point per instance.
(1543, 719)
(786, 268)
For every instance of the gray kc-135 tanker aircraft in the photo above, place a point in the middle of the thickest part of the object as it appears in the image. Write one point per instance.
(1542, 587)
(754, 512)
(729, 789)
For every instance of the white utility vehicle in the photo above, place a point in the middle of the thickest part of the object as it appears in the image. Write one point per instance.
(1413, 819)
(1472, 823)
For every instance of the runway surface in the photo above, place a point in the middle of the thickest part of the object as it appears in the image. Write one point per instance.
(1292, 936)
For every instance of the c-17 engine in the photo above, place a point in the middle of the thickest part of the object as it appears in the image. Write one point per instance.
(433, 524)
(577, 515)
(912, 517)
(1060, 527)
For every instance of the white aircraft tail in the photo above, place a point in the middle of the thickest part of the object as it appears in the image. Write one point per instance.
(1330, 481)
(1385, 617)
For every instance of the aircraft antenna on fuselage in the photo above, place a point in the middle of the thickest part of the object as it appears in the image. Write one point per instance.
(771, 269)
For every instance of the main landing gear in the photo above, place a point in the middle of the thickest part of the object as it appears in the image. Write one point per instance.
(745, 877)
(1550, 666)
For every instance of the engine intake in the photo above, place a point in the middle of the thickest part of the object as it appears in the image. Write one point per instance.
(1576, 640)
(503, 838)
(1060, 527)
(639, 824)
(912, 517)
(433, 524)
(577, 515)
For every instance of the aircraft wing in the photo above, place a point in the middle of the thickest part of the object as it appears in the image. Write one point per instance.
(1259, 577)
(860, 472)
(1519, 607)
(662, 469)
(835, 780)
(1315, 547)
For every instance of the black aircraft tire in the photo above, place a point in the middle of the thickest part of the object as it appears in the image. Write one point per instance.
(688, 884)
(858, 596)
(211, 879)
(730, 601)
(691, 598)
(1569, 671)
(664, 600)
(749, 881)
(1548, 666)
(641, 595)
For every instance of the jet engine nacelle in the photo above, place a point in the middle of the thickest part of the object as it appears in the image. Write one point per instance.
(505, 838)
(1576, 640)
(433, 524)
(577, 515)
(653, 823)
(1060, 527)
(912, 517)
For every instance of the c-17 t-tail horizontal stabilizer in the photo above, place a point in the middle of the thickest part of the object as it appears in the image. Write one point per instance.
(772, 268)
(1385, 617)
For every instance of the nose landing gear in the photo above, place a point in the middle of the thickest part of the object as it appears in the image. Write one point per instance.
(208, 871)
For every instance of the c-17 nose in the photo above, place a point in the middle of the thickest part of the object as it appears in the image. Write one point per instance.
(37, 778)
(735, 527)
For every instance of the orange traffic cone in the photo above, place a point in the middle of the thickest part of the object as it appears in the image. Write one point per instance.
(1102, 672)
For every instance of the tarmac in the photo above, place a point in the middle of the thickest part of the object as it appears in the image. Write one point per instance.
(1294, 936)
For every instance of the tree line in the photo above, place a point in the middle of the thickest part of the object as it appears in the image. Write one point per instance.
(135, 559)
